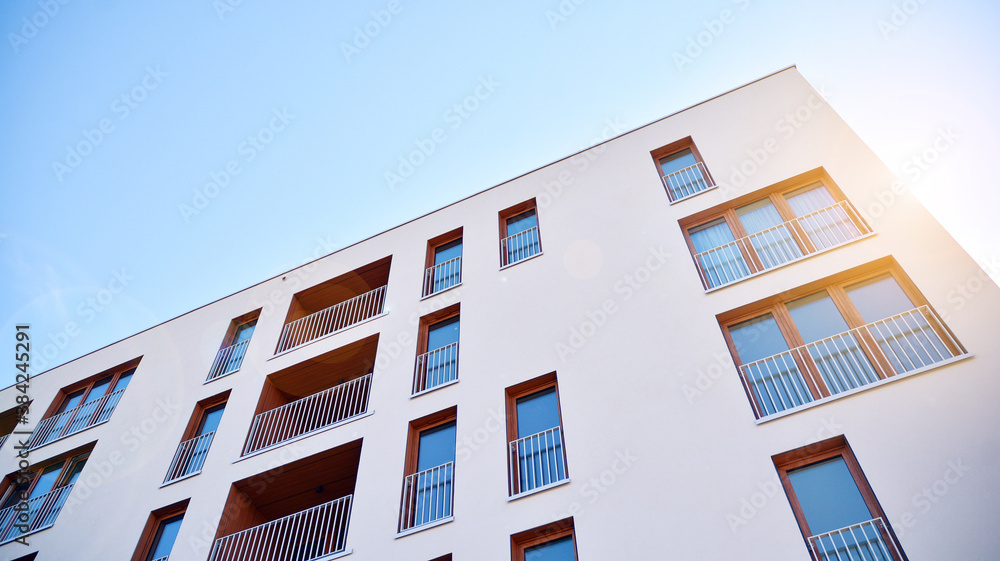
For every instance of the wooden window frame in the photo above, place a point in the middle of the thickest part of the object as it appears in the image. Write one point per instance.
(521, 541)
(686, 143)
(820, 452)
(87, 385)
(511, 212)
(524, 389)
(438, 241)
(443, 558)
(835, 287)
(418, 426)
(142, 549)
(235, 324)
(434, 318)
(776, 195)
(199, 413)
(67, 459)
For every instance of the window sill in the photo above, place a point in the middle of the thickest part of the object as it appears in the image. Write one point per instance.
(171, 482)
(427, 526)
(438, 387)
(692, 195)
(873, 385)
(509, 265)
(559, 483)
(433, 294)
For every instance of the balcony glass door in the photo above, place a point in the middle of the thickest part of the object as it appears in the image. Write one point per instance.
(433, 481)
(539, 445)
(719, 257)
(771, 239)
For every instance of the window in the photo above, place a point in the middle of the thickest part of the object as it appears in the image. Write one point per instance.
(8, 423)
(797, 218)
(519, 238)
(835, 336)
(430, 471)
(160, 533)
(45, 491)
(682, 170)
(84, 405)
(234, 346)
(837, 511)
(552, 542)
(198, 436)
(437, 363)
(444, 263)
(536, 459)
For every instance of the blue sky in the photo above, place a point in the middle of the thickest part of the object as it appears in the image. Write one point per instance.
(159, 156)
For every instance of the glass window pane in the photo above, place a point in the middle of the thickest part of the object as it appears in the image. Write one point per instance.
(76, 468)
(437, 446)
(879, 298)
(124, 379)
(711, 235)
(772, 240)
(210, 421)
(448, 251)
(809, 199)
(46, 481)
(677, 161)
(758, 216)
(757, 338)
(537, 412)
(555, 550)
(71, 401)
(828, 495)
(244, 332)
(817, 317)
(99, 389)
(166, 534)
(524, 221)
(442, 334)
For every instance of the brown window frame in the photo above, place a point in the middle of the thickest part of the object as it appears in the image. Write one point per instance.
(198, 414)
(686, 143)
(521, 541)
(145, 545)
(423, 331)
(776, 194)
(236, 324)
(511, 212)
(426, 290)
(88, 384)
(511, 395)
(835, 288)
(67, 459)
(820, 452)
(420, 425)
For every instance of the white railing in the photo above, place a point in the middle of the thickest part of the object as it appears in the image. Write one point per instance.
(313, 533)
(536, 461)
(442, 276)
(41, 514)
(165, 558)
(781, 244)
(861, 356)
(427, 496)
(75, 420)
(687, 182)
(3, 440)
(189, 458)
(435, 368)
(311, 413)
(228, 360)
(331, 320)
(867, 541)
(520, 246)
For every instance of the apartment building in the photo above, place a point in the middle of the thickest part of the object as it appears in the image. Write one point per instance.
(713, 337)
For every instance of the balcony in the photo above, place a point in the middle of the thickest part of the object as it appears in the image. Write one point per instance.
(905, 343)
(228, 360)
(427, 498)
(520, 246)
(189, 458)
(41, 514)
(435, 369)
(3, 440)
(536, 462)
(867, 541)
(442, 276)
(319, 532)
(687, 182)
(80, 418)
(779, 245)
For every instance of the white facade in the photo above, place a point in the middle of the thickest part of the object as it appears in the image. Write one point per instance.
(665, 457)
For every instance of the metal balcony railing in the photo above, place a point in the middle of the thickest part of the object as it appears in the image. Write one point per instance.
(162, 558)
(442, 276)
(436, 368)
(336, 318)
(41, 513)
(314, 533)
(189, 458)
(536, 461)
(427, 497)
(228, 360)
(867, 541)
(687, 182)
(781, 244)
(3, 440)
(75, 420)
(520, 246)
(864, 355)
(311, 413)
